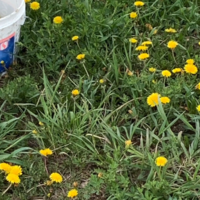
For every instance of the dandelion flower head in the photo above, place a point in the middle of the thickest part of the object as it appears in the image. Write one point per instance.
(147, 43)
(17, 170)
(75, 92)
(80, 56)
(132, 40)
(72, 193)
(166, 73)
(165, 100)
(34, 5)
(152, 69)
(5, 167)
(170, 30)
(177, 70)
(190, 69)
(58, 20)
(56, 177)
(190, 61)
(172, 44)
(161, 161)
(13, 178)
(143, 56)
(133, 15)
(141, 48)
(139, 3)
(46, 152)
(198, 108)
(153, 99)
(75, 38)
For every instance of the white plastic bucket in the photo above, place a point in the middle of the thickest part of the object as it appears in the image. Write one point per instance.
(12, 16)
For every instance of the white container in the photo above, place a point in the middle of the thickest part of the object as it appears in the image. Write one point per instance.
(12, 16)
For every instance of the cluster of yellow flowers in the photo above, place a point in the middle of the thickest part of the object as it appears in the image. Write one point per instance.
(154, 98)
(12, 172)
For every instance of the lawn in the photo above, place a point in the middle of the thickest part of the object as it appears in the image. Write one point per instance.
(103, 102)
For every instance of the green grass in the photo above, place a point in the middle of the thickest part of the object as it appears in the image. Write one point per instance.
(87, 132)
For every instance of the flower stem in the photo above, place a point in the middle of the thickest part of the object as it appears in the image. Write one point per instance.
(86, 70)
(6, 189)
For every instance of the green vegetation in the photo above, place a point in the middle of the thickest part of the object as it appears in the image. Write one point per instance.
(95, 113)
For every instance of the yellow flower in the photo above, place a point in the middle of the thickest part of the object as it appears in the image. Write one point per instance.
(152, 100)
(190, 69)
(41, 124)
(165, 100)
(133, 15)
(147, 43)
(199, 43)
(5, 167)
(166, 73)
(133, 40)
(170, 30)
(46, 152)
(17, 170)
(58, 20)
(80, 56)
(75, 38)
(13, 178)
(161, 161)
(75, 92)
(153, 81)
(155, 31)
(128, 143)
(2, 62)
(197, 86)
(72, 193)
(143, 56)
(56, 177)
(152, 69)
(27, 1)
(101, 81)
(34, 5)
(34, 132)
(190, 61)
(198, 108)
(139, 3)
(141, 48)
(172, 44)
(176, 70)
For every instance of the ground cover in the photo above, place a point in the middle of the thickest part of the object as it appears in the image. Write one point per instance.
(103, 102)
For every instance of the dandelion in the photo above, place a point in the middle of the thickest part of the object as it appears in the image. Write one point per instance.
(198, 108)
(128, 143)
(143, 56)
(46, 152)
(75, 92)
(177, 70)
(75, 38)
(190, 69)
(170, 30)
(153, 81)
(80, 56)
(190, 61)
(13, 178)
(153, 99)
(152, 69)
(34, 5)
(165, 100)
(133, 40)
(41, 123)
(155, 31)
(56, 177)
(5, 167)
(133, 15)
(34, 132)
(199, 43)
(147, 43)
(161, 161)
(139, 3)
(141, 48)
(27, 1)
(58, 20)
(2, 62)
(166, 73)
(17, 170)
(72, 193)
(172, 44)
(101, 81)
(197, 86)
